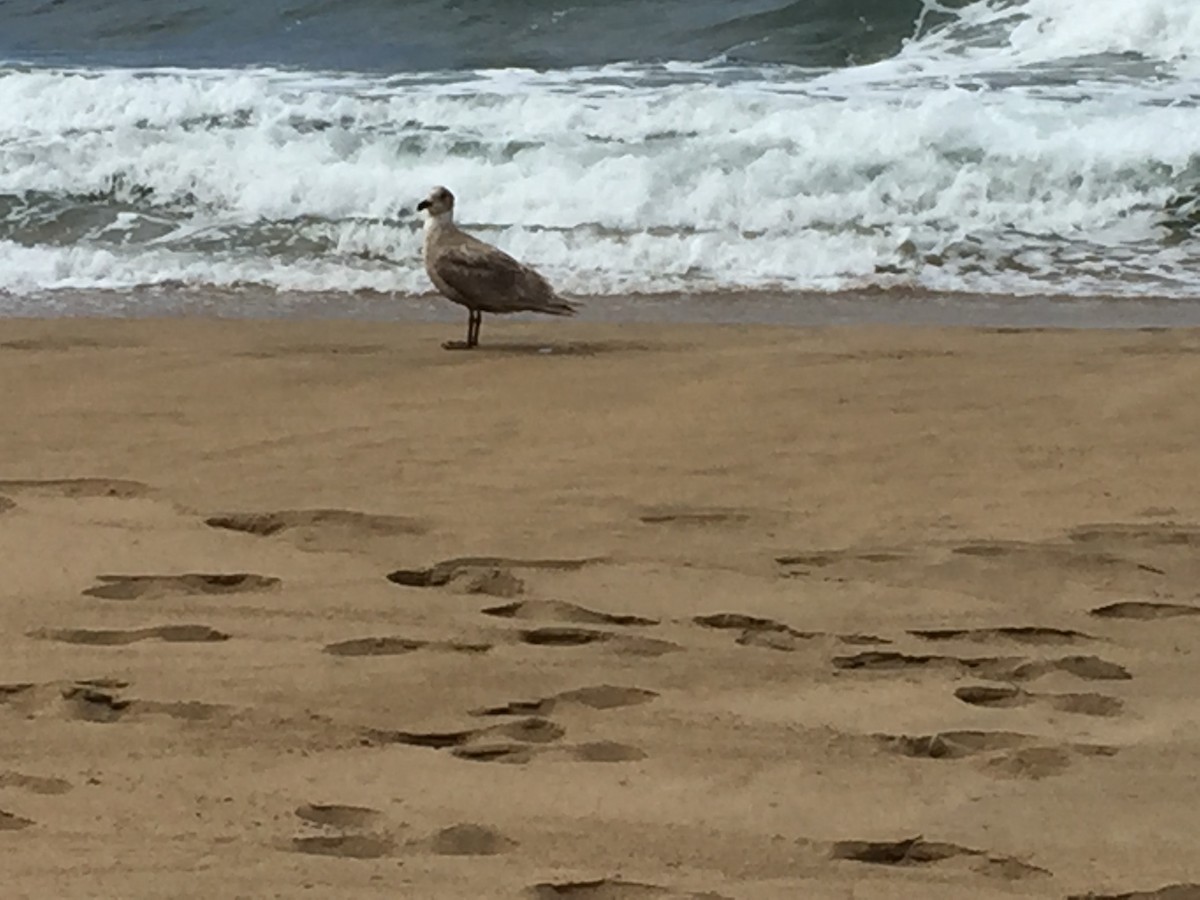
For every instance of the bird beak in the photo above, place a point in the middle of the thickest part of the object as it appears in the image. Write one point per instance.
(424, 204)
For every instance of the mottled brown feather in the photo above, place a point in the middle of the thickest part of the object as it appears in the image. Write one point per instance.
(482, 277)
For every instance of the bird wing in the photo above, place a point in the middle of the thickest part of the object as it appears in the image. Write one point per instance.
(487, 278)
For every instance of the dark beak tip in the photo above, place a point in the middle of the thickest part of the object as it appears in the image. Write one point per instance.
(424, 204)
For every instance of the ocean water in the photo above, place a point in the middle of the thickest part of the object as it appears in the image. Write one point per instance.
(997, 148)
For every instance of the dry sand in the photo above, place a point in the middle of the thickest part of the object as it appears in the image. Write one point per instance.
(675, 612)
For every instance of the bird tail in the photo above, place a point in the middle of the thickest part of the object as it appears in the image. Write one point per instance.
(557, 306)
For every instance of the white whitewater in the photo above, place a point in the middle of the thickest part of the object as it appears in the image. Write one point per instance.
(1014, 151)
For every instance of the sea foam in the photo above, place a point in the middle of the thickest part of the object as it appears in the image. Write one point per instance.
(966, 162)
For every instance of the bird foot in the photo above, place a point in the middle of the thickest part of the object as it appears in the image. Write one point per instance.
(457, 345)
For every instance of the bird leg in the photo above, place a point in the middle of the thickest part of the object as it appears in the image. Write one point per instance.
(474, 320)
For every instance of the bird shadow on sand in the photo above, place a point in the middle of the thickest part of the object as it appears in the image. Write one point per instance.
(546, 348)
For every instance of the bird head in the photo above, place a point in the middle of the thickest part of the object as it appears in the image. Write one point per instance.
(440, 202)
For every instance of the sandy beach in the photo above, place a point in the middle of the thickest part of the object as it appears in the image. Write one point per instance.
(597, 612)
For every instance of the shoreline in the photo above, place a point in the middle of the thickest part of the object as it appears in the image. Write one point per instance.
(896, 306)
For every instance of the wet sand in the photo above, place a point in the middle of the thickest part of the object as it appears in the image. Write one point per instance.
(893, 306)
(600, 612)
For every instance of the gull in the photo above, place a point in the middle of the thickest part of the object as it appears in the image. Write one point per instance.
(479, 276)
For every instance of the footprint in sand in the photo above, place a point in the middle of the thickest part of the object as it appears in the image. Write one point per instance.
(951, 744)
(748, 625)
(502, 752)
(14, 689)
(1100, 552)
(1001, 549)
(604, 752)
(6, 504)
(1010, 697)
(350, 843)
(1029, 762)
(991, 667)
(693, 516)
(335, 815)
(28, 698)
(395, 645)
(512, 742)
(472, 566)
(350, 846)
(612, 889)
(110, 637)
(891, 661)
(601, 696)
(1137, 534)
(13, 822)
(625, 645)
(756, 631)
(435, 740)
(1169, 892)
(491, 583)
(1108, 558)
(559, 611)
(187, 710)
(1023, 634)
(842, 565)
(94, 704)
(533, 729)
(1089, 668)
(1143, 610)
(320, 529)
(35, 784)
(100, 700)
(1063, 556)
(819, 559)
(592, 751)
(566, 636)
(468, 839)
(1001, 753)
(919, 852)
(154, 587)
(76, 487)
